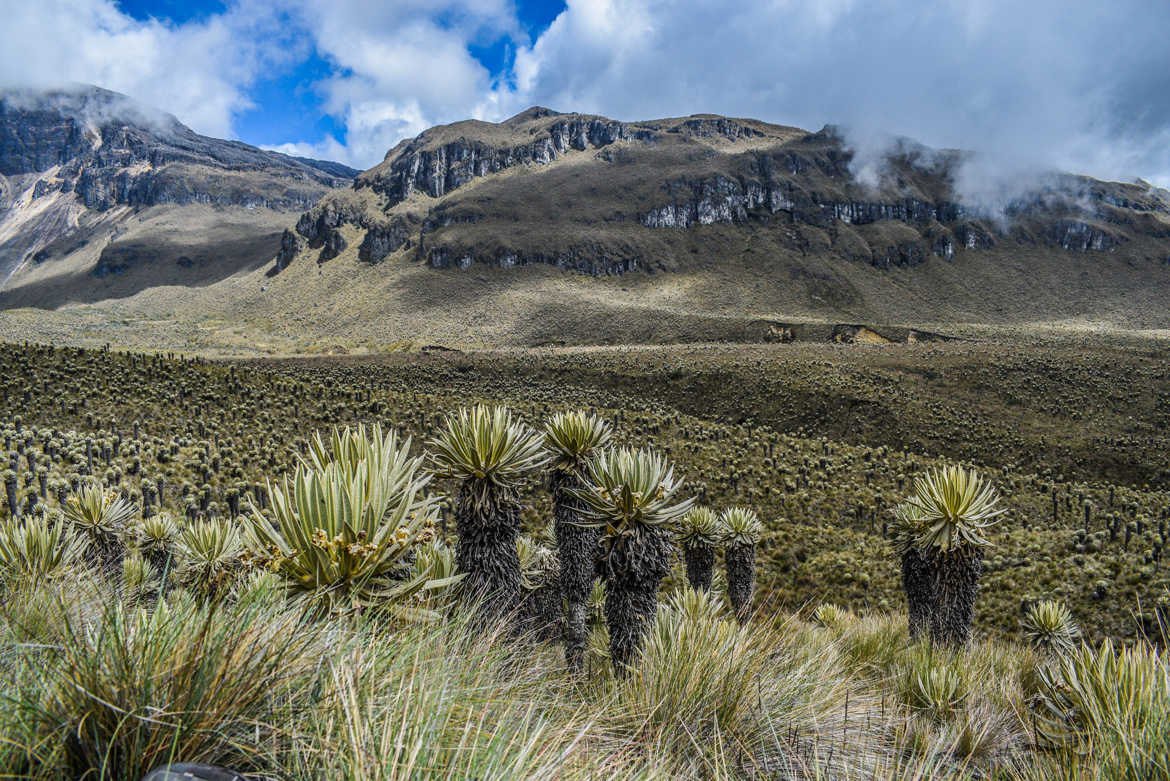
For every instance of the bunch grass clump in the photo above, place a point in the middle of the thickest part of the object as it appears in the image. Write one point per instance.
(696, 670)
(120, 692)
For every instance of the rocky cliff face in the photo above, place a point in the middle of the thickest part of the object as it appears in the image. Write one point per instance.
(454, 164)
(554, 189)
(69, 152)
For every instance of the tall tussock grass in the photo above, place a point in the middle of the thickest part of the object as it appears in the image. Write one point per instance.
(112, 690)
(98, 683)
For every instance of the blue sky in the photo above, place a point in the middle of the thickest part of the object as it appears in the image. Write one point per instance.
(1077, 85)
(286, 105)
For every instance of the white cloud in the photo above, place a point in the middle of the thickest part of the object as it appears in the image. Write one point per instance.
(198, 71)
(404, 66)
(1081, 85)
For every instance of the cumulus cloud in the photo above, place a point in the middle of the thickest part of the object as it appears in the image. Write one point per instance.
(1079, 85)
(198, 71)
(1071, 85)
(402, 67)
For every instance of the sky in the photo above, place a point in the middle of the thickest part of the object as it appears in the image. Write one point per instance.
(1075, 85)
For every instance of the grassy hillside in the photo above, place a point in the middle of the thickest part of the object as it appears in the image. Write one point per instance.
(478, 235)
(189, 246)
(823, 449)
(347, 305)
(100, 674)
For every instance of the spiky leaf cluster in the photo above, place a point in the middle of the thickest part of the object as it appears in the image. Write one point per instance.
(1049, 626)
(209, 550)
(830, 616)
(436, 560)
(628, 491)
(99, 512)
(157, 532)
(741, 526)
(700, 527)
(697, 605)
(907, 527)
(955, 507)
(484, 446)
(571, 437)
(934, 688)
(1094, 693)
(342, 526)
(36, 548)
(538, 563)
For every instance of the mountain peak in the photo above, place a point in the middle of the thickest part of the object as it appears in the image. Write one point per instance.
(529, 114)
(70, 154)
(91, 106)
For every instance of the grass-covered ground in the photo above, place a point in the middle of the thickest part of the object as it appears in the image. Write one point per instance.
(821, 440)
(98, 684)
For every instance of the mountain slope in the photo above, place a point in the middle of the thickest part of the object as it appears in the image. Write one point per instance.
(579, 192)
(81, 169)
(569, 228)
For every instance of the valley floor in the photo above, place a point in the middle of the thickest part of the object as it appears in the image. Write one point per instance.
(822, 439)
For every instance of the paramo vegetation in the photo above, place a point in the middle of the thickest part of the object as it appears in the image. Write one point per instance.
(348, 573)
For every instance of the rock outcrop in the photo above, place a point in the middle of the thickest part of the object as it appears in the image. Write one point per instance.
(437, 171)
(589, 260)
(552, 189)
(290, 247)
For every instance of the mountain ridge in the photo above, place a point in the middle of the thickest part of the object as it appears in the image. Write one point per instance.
(563, 229)
(70, 157)
(739, 167)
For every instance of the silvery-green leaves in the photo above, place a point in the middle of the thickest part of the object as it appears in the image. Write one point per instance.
(538, 563)
(487, 445)
(97, 511)
(37, 548)
(906, 528)
(346, 522)
(1093, 696)
(209, 550)
(629, 490)
(952, 507)
(1049, 627)
(741, 526)
(157, 532)
(572, 437)
(700, 527)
